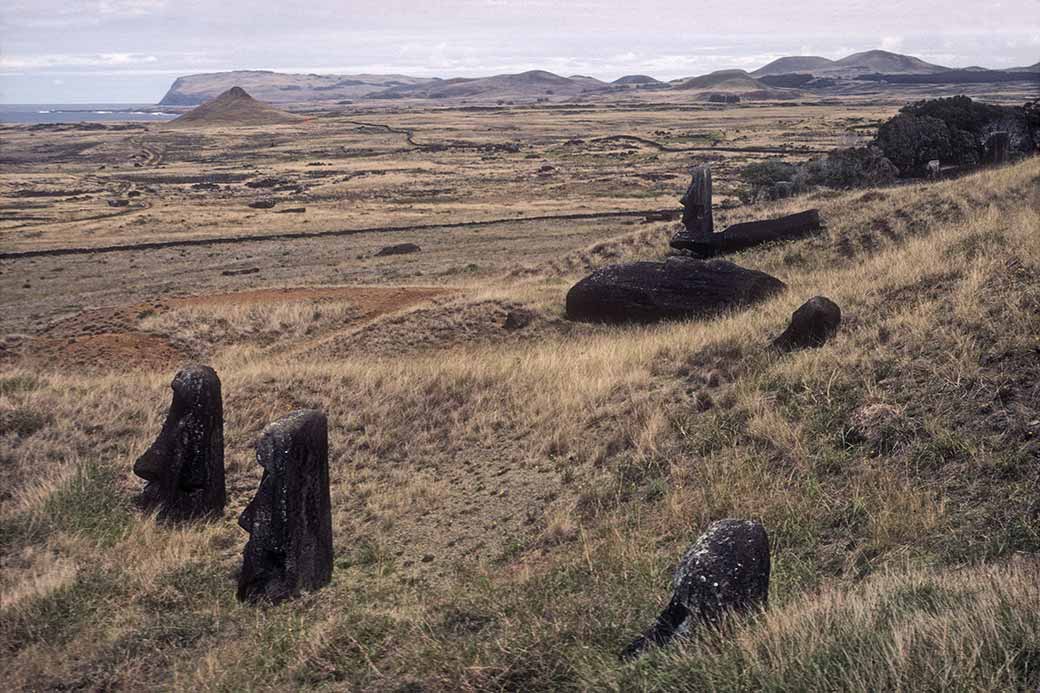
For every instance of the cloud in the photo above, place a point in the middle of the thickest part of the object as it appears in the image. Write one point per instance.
(56, 60)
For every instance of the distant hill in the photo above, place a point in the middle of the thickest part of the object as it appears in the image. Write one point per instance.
(234, 108)
(636, 79)
(722, 80)
(883, 61)
(1035, 67)
(277, 87)
(784, 73)
(793, 64)
(867, 62)
(531, 84)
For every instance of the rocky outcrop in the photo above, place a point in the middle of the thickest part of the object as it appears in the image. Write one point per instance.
(678, 288)
(811, 325)
(290, 519)
(725, 571)
(184, 467)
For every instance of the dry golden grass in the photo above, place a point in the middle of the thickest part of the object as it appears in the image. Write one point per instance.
(554, 474)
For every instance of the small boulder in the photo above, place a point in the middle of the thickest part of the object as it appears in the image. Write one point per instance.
(517, 320)
(289, 519)
(262, 204)
(812, 324)
(399, 249)
(726, 570)
(678, 288)
(184, 467)
(118, 203)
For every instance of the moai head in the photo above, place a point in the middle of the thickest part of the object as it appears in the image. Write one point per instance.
(184, 467)
(290, 519)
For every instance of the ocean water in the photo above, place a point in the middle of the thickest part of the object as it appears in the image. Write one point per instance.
(81, 112)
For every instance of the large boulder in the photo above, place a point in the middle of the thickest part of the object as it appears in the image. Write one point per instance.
(290, 519)
(678, 288)
(726, 570)
(812, 324)
(184, 467)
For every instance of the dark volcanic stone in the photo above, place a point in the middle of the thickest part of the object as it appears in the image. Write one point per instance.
(262, 204)
(517, 320)
(812, 324)
(675, 289)
(726, 570)
(696, 201)
(749, 234)
(184, 467)
(399, 249)
(290, 519)
(118, 203)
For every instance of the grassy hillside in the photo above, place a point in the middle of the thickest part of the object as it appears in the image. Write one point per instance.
(507, 510)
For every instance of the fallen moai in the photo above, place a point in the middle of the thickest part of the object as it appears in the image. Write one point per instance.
(184, 467)
(751, 233)
(289, 519)
(811, 325)
(698, 237)
(678, 288)
(726, 570)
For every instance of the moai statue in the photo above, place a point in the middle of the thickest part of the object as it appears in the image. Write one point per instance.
(696, 203)
(184, 467)
(726, 570)
(998, 147)
(289, 519)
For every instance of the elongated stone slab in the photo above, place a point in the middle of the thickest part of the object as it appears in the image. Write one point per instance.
(289, 519)
(184, 467)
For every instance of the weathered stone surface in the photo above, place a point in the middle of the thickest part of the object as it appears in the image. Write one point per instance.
(517, 319)
(697, 218)
(399, 249)
(812, 324)
(726, 570)
(184, 467)
(262, 204)
(677, 288)
(290, 519)
(750, 234)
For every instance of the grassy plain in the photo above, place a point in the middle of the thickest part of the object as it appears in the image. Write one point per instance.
(508, 504)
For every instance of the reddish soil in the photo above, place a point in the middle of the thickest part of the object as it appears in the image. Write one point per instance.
(103, 339)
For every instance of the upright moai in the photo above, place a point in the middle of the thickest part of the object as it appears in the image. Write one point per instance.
(184, 467)
(696, 203)
(998, 147)
(289, 519)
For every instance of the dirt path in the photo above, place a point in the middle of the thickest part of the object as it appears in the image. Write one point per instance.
(294, 235)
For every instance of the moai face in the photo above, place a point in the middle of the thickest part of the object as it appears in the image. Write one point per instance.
(290, 519)
(184, 467)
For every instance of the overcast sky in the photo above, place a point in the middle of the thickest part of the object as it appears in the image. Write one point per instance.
(129, 51)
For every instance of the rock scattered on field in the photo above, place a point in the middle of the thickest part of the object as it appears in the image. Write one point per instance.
(184, 467)
(517, 319)
(289, 519)
(399, 249)
(815, 321)
(678, 288)
(726, 570)
(262, 204)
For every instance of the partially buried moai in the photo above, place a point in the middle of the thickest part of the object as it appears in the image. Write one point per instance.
(184, 467)
(290, 519)
(696, 202)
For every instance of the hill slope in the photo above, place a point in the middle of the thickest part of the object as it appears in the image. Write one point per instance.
(793, 64)
(234, 108)
(889, 466)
